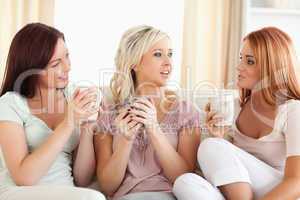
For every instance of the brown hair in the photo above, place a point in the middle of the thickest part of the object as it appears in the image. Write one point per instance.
(31, 49)
(275, 55)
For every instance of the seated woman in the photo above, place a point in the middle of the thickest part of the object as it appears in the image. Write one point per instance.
(148, 136)
(264, 160)
(38, 127)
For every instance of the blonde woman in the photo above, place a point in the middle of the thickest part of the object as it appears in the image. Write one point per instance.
(42, 155)
(148, 137)
(264, 160)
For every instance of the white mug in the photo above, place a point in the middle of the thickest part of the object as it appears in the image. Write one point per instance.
(221, 101)
(223, 104)
(70, 89)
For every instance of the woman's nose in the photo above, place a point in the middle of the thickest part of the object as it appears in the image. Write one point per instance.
(167, 60)
(240, 67)
(66, 65)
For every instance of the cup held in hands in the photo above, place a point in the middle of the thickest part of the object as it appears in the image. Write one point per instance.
(82, 86)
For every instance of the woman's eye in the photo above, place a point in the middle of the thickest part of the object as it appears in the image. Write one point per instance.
(55, 65)
(250, 62)
(241, 57)
(157, 54)
(170, 54)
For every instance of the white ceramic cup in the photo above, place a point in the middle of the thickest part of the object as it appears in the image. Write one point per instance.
(221, 101)
(223, 105)
(84, 86)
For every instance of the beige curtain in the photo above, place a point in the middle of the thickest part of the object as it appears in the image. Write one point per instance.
(16, 13)
(212, 37)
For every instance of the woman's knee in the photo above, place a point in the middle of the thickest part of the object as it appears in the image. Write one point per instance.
(188, 181)
(211, 148)
(180, 181)
(190, 186)
(89, 194)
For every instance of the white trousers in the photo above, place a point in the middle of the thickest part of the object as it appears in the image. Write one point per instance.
(223, 163)
(50, 193)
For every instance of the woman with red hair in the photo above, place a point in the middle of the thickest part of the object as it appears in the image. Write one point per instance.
(264, 160)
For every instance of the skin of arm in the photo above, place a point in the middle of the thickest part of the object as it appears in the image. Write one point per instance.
(174, 162)
(289, 188)
(27, 169)
(112, 165)
(84, 156)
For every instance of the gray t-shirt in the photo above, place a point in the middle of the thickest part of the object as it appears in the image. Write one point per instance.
(14, 108)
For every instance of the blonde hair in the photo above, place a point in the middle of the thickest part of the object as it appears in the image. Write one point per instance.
(275, 55)
(134, 43)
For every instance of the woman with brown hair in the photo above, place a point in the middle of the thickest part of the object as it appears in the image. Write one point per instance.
(264, 160)
(42, 152)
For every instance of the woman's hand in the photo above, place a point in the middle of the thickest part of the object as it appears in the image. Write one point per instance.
(81, 106)
(211, 121)
(144, 112)
(126, 125)
(88, 129)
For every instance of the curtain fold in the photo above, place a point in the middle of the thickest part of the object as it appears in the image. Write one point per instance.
(212, 37)
(14, 14)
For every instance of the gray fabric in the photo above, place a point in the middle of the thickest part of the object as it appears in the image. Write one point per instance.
(149, 196)
(14, 108)
(50, 193)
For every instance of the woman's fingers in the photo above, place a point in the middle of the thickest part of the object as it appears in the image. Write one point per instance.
(138, 113)
(87, 100)
(210, 115)
(122, 124)
(215, 121)
(130, 133)
(130, 127)
(207, 107)
(139, 119)
(75, 93)
(135, 128)
(141, 106)
(126, 120)
(132, 123)
(82, 93)
(92, 110)
(123, 112)
(217, 131)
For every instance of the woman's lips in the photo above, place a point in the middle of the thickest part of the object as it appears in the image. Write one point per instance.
(240, 77)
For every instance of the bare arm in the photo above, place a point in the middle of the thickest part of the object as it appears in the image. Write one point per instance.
(84, 157)
(289, 188)
(112, 165)
(176, 163)
(25, 168)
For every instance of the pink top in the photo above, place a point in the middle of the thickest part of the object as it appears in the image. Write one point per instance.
(144, 173)
(282, 142)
